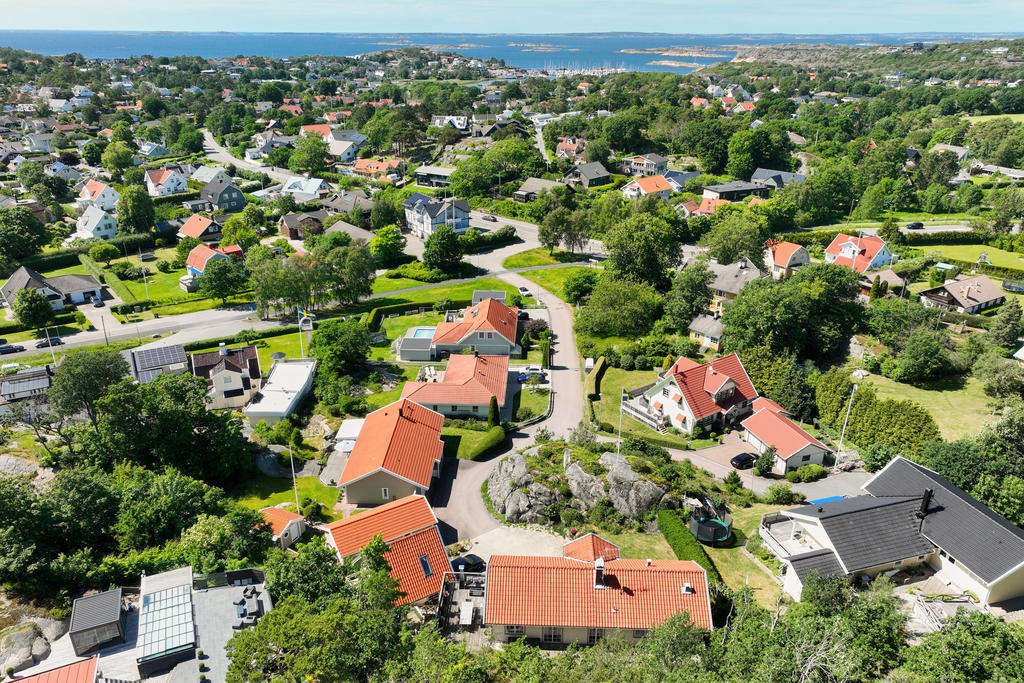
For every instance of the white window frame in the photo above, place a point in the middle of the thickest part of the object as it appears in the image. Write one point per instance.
(385, 493)
(515, 631)
(551, 634)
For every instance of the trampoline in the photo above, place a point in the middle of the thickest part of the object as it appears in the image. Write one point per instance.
(710, 530)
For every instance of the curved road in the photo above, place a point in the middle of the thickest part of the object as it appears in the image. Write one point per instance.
(222, 155)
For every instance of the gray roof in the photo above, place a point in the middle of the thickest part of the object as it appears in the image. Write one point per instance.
(822, 561)
(416, 343)
(591, 170)
(978, 538)
(776, 178)
(481, 294)
(36, 378)
(435, 170)
(867, 531)
(21, 279)
(293, 219)
(707, 325)
(654, 158)
(732, 277)
(734, 186)
(535, 185)
(418, 201)
(96, 610)
(72, 283)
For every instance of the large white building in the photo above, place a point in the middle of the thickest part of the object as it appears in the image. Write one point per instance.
(424, 214)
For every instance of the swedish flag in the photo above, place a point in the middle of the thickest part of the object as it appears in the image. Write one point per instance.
(625, 395)
(303, 313)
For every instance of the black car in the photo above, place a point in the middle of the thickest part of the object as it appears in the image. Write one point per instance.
(11, 348)
(52, 341)
(97, 302)
(469, 563)
(743, 461)
(916, 225)
(491, 219)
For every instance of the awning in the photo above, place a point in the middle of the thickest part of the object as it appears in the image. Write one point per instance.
(657, 405)
(677, 398)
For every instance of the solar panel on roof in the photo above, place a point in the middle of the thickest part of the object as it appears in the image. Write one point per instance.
(162, 355)
(165, 622)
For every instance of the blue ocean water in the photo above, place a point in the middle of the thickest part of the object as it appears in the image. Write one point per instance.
(534, 51)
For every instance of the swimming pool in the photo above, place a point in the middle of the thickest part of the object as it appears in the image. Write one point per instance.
(423, 333)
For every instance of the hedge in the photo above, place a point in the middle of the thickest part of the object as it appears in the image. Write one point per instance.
(493, 439)
(176, 198)
(545, 352)
(67, 257)
(120, 288)
(825, 237)
(233, 339)
(93, 268)
(684, 545)
(14, 326)
(376, 315)
(592, 384)
(995, 271)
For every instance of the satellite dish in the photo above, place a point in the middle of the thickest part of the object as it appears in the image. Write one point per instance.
(277, 355)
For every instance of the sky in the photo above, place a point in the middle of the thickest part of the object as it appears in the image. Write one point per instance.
(523, 16)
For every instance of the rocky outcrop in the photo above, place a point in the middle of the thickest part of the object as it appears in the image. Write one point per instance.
(588, 488)
(515, 495)
(631, 494)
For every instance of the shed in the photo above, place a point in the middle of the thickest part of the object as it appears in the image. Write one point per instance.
(95, 621)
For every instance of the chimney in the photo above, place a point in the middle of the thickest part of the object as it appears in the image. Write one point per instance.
(925, 500)
(223, 349)
(648, 562)
(742, 263)
(599, 574)
(476, 354)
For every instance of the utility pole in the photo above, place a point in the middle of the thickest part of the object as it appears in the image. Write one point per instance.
(295, 485)
(842, 435)
(103, 322)
(145, 276)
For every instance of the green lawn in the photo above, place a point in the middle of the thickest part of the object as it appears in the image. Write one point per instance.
(461, 290)
(959, 408)
(537, 402)
(382, 398)
(287, 343)
(387, 284)
(541, 256)
(552, 279)
(262, 491)
(459, 443)
(54, 330)
(736, 567)
(636, 545)
(396, 329)
(989, 117)
(970, 252)
(161, 285)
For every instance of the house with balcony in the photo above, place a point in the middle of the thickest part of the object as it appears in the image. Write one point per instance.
(689, 394)
(425, 214)
(488, 328)
(965, 294)
(909, 516)
(234, 375)
(729, 280)
(645, 164)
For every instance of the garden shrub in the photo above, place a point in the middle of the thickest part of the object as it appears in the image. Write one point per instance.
(684, 545)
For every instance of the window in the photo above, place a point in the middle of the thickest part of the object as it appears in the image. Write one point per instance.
(476, 409)
(805, 458)
(664, 391)
(425, 565)
(490, 335)
(551, 634)
(481, 334)
(455, 409)
(517, 631)
(227, 379)
(897, 563)
(594, 635)
(435, 409)
(639, 633)
(385, 493)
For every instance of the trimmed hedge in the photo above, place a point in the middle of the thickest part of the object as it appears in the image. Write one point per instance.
(67, 257)
(120, 288)
(176, 198)
(545, 352)
(994, 271)
(14, 326)
(684, 545)
(376, 315)
(825, 237)
(93, 268)
(233, 339)
(592, 384)
(493, 439)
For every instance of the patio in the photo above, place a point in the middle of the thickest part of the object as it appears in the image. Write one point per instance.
(786, 537)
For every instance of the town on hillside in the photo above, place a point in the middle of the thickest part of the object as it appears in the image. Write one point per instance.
(411, 366)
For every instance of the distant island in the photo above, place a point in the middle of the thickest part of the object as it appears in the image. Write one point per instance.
(675, 52)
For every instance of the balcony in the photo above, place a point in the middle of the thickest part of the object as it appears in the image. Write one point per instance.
(655, 422)
(786, 537)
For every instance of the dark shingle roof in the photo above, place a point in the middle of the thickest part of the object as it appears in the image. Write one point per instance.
(978, 538)
(822, 561)
(867, 531)
(591, 170)
(20, 279)
(96, 610)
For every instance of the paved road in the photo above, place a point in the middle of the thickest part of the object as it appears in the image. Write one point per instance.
(457, 502)
(539, 137)
(222, 155)
(853, 228)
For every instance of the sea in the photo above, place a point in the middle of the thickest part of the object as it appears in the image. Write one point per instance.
(530, 51)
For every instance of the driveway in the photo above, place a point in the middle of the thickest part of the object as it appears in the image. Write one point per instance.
(457, 502)
(221, 155)
(509, 540)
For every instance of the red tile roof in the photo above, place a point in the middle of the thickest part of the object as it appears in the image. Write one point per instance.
(407, 525)
(92, 190)
(320, 129)
(488, 315)
(402, 438)
(652, 184)
(159, 176)
(699, 381)
(771, 426)
(782, 252)
(83, 671)
(590, 547)
(278, 519)
(198, 257)
(709, 205)
(195, 226)
(468, 380)
(865, 248)
(559, 591)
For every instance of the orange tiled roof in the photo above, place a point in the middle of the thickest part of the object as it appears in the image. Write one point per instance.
(866, 247)
(489, 314)
(406, 564)
(468, 380)
(782, 252)
(653, 183)
(559, 591)
(195, 226)
(402, 438)
(198, 257)
(92, 190)
(589, 547)
(320, 129)
(278, 519)
(771, 426)
(83, 671)
(699, 381)
(709, 205)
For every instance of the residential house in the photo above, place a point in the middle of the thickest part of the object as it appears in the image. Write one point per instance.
(200, 257)
(775, 180)
(152, 150)
(910, 516)
(220, 196)
(416, 554)
(707, 331)
(24, 383)
(289, 382)
(913, 157)
(645, 164)
(964, 294)
(95, 223)
(678, 179)
(423, 214)
(689, 395)
(305, 189)
(590, 593)
(378, 169)
(647, 186)
(81, 671)
(466, 389)
(735, 190)
(209, 174)
(60, 290)
(785, 258)
(532, 187)
(862, 253)
(488, 328)
(961, 153)
(570, 148)
(286, 527)
(591, 174)
(344, 201)
(201, 227)
(397, 454)
(298, 226)
(68, 174)
(434, 176)
(82, 91)
(40, 143)
(893, 282)
(162, 182)
(729, 280)
(146, 364)
(771, 427)
(460, 123)
(234, 375)
(699, 102)
(98, 194)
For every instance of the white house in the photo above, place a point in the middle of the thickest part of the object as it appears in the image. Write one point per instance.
(286, 527)
(162, 182)
(770, 427)
(862, 253)
(305, 189)
(423, 214)
(69, 174)
(656, 185)
(234, 375)
(98, 193)
(95, 223)
(784, 258)
(59, 289)
(208, 174)
(289, 382)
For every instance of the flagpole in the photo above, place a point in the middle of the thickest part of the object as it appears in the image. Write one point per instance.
(618, 442)
(298, 317)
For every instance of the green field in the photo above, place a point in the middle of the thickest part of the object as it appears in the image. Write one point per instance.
(970, 252)
(541, 256)
(161, 285)
(989, 117)
(262, 491)
(459, 443)
(552, 279)
(382, 398)
(959, 407)
(535, 402)
(640, 546)
(387, 284)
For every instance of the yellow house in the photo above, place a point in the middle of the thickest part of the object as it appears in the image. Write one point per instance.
(707, 331)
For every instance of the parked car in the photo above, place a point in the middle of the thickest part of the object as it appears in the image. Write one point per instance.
(524, 315)
(532, 371)
(469, 563)
(743, 461)
(490, 219)
(916, 225)
(524, 291)
(97, 302)
(11, 348)
(52, 341)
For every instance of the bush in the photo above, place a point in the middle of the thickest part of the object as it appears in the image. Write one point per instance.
(119, 288)
(684, 545)
(93, 267)
(592, 384)
(417, 270)
(124, 270)
(164, 266)
(493, 439)
(782, 494)
(806, 473)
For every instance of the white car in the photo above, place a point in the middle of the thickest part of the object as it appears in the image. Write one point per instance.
(524, 291)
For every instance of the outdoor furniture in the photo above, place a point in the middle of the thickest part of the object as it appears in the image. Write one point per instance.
(466, 613)
(239, 601)
(238, 625)
(252, 607)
